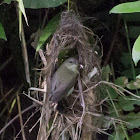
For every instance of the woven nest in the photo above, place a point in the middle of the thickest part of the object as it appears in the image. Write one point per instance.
(77, 119)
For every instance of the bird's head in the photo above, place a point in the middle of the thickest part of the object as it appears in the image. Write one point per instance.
(72, 64)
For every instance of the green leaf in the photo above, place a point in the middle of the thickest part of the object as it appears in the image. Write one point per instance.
(112, 92)
(35, 4)
(133, 120)
(21, 7)
(48, 30)
(112, 111)
(133, 85)
(135, 137)
(12, 105)
(136, 51)
(122, 81)
(127, 103)
(2, 33)
(8, 1)
(106, 71)
(138, 77)
(117, 135)
(129, 7)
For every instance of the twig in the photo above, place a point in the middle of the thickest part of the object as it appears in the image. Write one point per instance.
(34, 125)
(83, 105)
(33, 99)
(42, 57)
(52, 127)
(117, 113)
(6, 94)
(66, 127)
(113, 86)
(10, 100)
(10, 122)
(25, 56)
(26, 123)
(20, 118)
(24, 46)
(37, 89)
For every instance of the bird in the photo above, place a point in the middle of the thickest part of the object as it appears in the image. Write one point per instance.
(64, 79)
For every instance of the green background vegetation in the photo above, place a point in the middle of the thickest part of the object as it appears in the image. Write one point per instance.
(119, 30)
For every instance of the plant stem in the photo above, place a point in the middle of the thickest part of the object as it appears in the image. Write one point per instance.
(129, 49)
(123, 128)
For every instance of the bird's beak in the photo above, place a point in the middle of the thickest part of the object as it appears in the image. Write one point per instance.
(81, 66)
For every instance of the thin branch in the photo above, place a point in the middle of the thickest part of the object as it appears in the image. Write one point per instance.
(17, 116)
(20, 117)
(27, 122)
(33, 99)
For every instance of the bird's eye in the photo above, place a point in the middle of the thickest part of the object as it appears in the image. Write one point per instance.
(71, 61)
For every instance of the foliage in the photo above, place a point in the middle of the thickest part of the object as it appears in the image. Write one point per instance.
(2, 33)
(122, 90)
(129, 7)
(48, 30)
(136, 51)
(129, 103)
(39, 3)
(135, 137)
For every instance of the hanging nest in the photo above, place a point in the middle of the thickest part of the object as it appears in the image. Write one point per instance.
(77, 118)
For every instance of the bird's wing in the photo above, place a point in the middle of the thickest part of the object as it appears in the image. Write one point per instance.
(58, 94)
(61, 91)
(54, 83)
